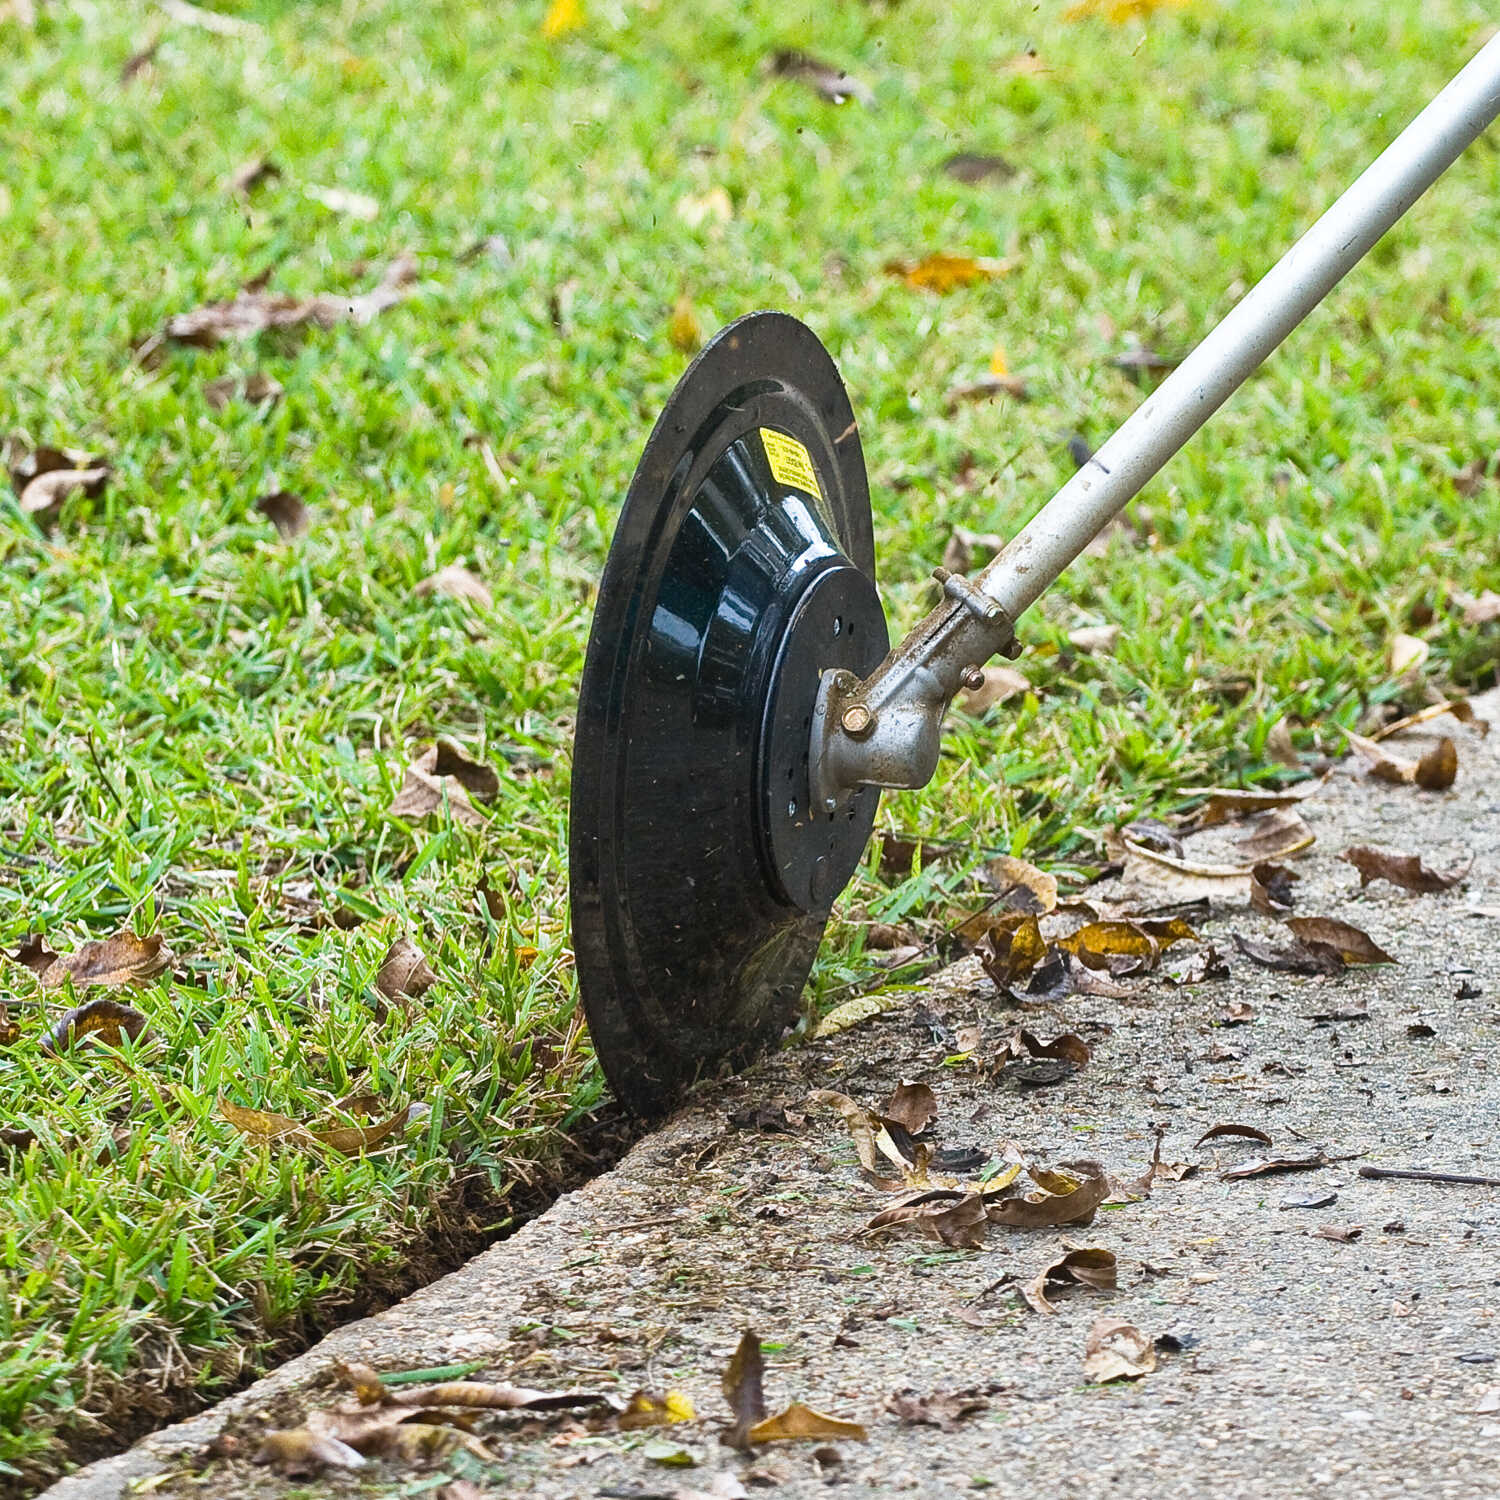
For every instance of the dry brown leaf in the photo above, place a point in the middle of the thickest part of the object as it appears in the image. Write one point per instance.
(999, 684)
(297, 1452)
(980, 390)
(1279, 746)
(913, 1106)
(425, 791)
(1239, 1132)
(1070, 1194)
(1225, 802)
(1438, 768)
(34, 954)
(977, 166)
(944, 273)
(114, 961)
(1265, 1166)
(684, 331)
(829, 82)
(941, 1409)
(955, 1217)
(255, 389)
(1459, 708)
(1009, 950)
(800, 1422)
(105, 1021)
(1094, 640)
(1274, 835)
(1406, 870)
(1068, 1048)
(862, 1128)
(495, 1396)
(457, 583)
(348, 1140)
(404, 973)
(447, 758)
(1296, 959)
(1479, 609)
(250, 175)
(43, 496)
(287, 512)
(362, 1380)
(1407, 653)
(1081, 1265)
(1117, 1350)
(339, 200)
(1271, 889)
(1148, 873)
(1021, 886)
(1349, 942)
(254, 312)
(1102, 945)
(744, 1390)
(141, 59)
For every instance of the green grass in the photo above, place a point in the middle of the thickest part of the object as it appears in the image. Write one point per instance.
(205, 723)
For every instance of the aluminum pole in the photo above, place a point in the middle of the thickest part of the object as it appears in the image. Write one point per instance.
(1235, 349)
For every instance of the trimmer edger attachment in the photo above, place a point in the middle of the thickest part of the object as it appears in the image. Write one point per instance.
(738, 710)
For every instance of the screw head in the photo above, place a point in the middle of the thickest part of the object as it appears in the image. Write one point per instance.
(857, 719)
(973, 678)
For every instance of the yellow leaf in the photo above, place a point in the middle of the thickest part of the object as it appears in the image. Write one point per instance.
(942, 273)
(799, 1421)
(684, 331)
(852, 1013)
(1119, 11)
(562, 17)
(998, 365)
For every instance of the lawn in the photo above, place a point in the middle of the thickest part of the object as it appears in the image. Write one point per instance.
(207, 722)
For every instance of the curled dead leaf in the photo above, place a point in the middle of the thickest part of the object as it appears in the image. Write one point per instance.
(802, 1423)
(998, 684)
(1011, 948)
(1070, 1194)
(744, 1389)
(647, 1409)
(1238, 1132)
(457, 582)
(1223, 803)
(254, 389)
(1274, 835)
(1021, 886)
(287, 512)
(912, 1106)
(404, 973)
(824, 79)
(1435, 771)
(941, 1409)
(684, 331)
(497, 1396)
(102, 1020)
(348, 1140)
(1407, 653)
(1271, 889)
(1117, 1350)
(1298, 958)
(297, 1452)
(955, 1217)
(1265, 1166)
(1352, 945)
(1406, 870)
(34, 954)
(1094, 640)
(114, 961)
(1081, 1265)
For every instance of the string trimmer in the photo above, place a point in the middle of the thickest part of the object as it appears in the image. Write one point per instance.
(740, 710)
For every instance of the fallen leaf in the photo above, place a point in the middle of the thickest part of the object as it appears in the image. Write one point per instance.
(977, 166)
(1407, 654)
(669, 1454)
(1297, 959)
(443, 775)
(1479, 609)
(296, 1451)
(852, 1013)
(362, 1380)
(1239, 1132)
(255, 389)
(563, 16)
(286, 512)
(457, 583)
(404, 973)
(52, 482)
(1141, 358)
(1310, 1200)
(684, 331)
(941, 1409)
(912, 1105)
(955, 1217)
(1117, 1350)
(943, 273)
(647, 1409)
(1021, 886)
(114, 961)
(1147, 874)
(862, 1128)
(100, 1020)
(1343, 1234)
(1265, 1166)
(1406, 870)
(1223, 803)
(250, 175)
(799, 1422)
(1104, 945)
(998, 685)
(744, 1390)
(1349, 942)
(1094, 640)
(1274, 835)
(829, 82)
(1236, 1013)
(1197, 967)
(497, 1396)
(1438, 768)
(254, 312)
(1070, 1194)
(35, 955)
(696, 209)
(1010, 950)
(981, 389)
(1271, 889)
(141, 59)
(339, 200)
(348, 1140)
(1356, 1010)
(1080, 1265)
(1068, 1048)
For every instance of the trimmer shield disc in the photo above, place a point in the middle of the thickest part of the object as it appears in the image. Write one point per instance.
(742, 567)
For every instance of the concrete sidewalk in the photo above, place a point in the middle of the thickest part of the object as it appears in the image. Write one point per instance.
(1307, 1364)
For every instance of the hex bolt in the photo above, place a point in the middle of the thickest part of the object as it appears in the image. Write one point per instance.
(973, 678)
(857, 720)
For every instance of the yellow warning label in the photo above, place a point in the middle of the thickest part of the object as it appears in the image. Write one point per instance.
(790, 462)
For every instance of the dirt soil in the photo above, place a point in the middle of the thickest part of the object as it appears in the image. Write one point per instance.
(1295, 1363)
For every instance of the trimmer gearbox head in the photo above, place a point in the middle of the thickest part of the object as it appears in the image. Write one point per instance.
(742, 568)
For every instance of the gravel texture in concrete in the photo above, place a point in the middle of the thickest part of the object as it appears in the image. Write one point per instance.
(1362, 1364)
